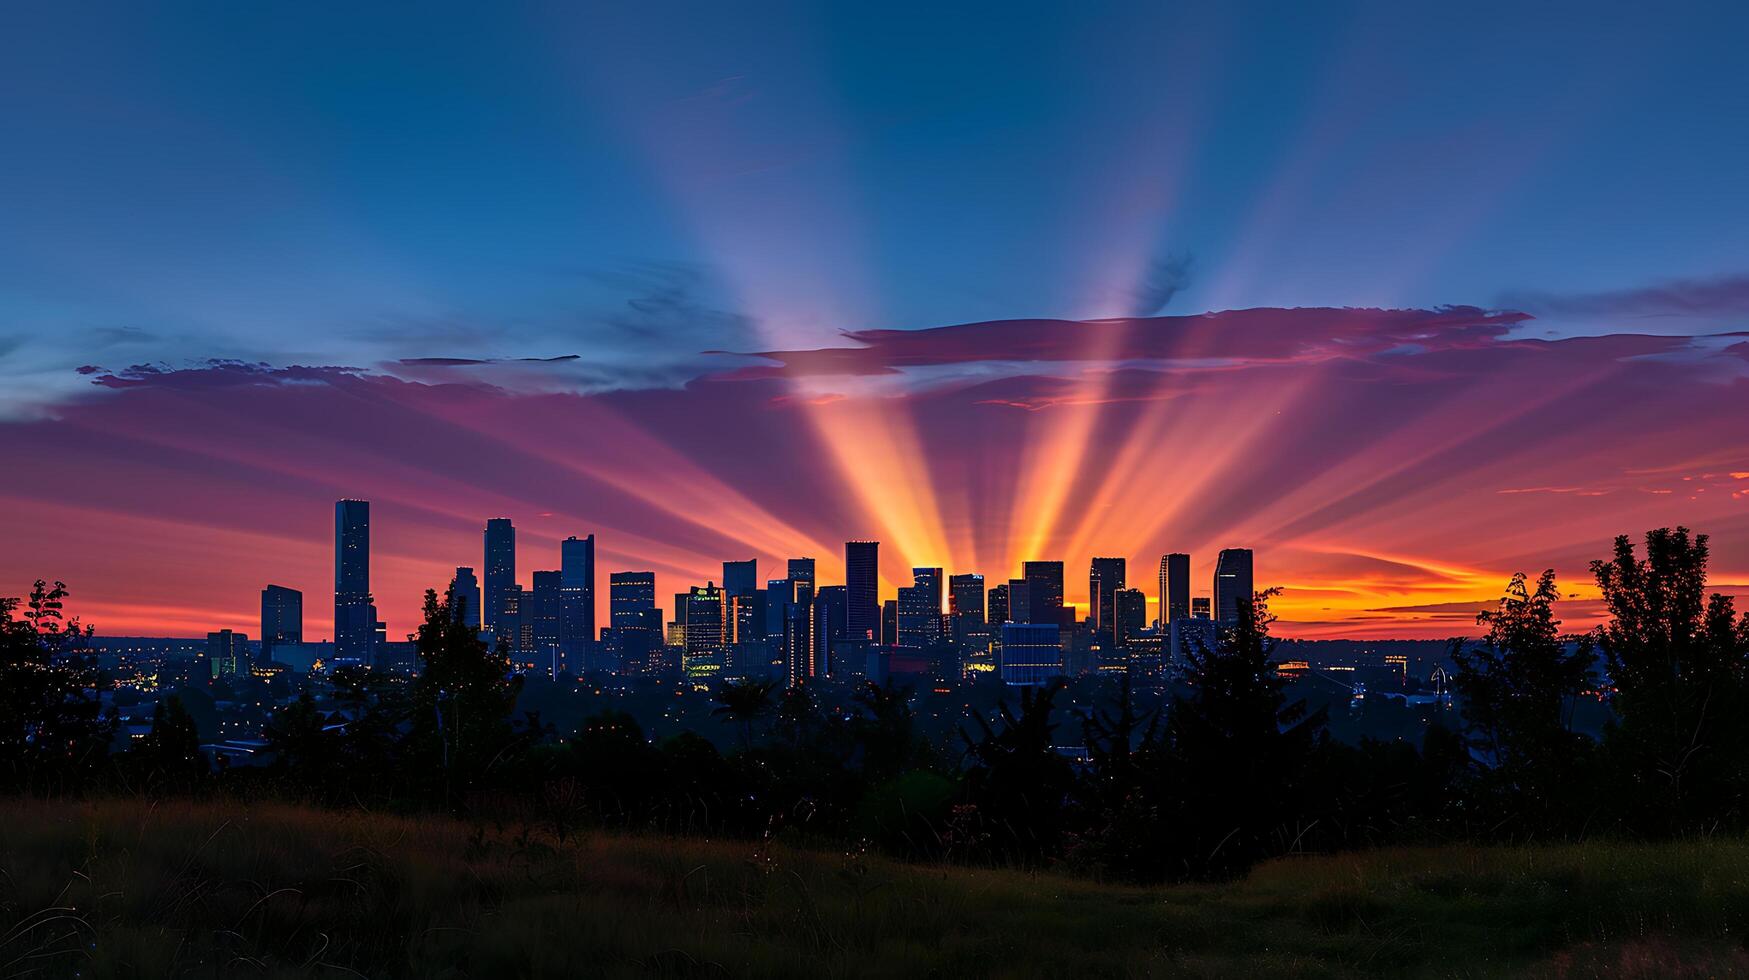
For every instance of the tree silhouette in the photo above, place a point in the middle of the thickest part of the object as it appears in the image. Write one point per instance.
(53, 730)
(1238, 749)
(1518, 686)
(743, 702)
(168, 757)
(462, 700)
(1679, 661)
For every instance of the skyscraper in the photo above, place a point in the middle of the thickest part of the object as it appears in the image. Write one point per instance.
(354, 615)
(1044, 586)
(282, 618)
(1174, 587)
(705, 632)
(500, 568)
(740, 578)
(1232, 583)
(466, 589)
(1105, 577)
(829, 609)
(801, 572)
(545, 615)
(634, 622)
(576, 595)
(965, 604)
(919, 611)
(998, 607)
(862, 585)
(1129, 616)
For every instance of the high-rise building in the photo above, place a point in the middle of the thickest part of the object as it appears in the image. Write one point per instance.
(227, 653)
(998, 605)
(354, 614)
(1129, 616)
(1174, 587)
(862, 585)
(919, 611)
(1232, 583)
(1019, 601)
(740, 577)
(282, 618)
(1032, 653)
(1199, 608)
(466, 590)
(634, 622)
(576, 609)
(830, 607)
(1105, 578)
(546, 620)
(890, 623)
(1044, 586)
(801, 572)
(965, 604)
(500, 568)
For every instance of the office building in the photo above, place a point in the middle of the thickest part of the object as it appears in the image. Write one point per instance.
(890, 623)
(862, 583)
(227, 653)
(831, 606)
(282, 619)
(919, 611)
(465, 589)
(1032, 653)
(545, 617)
(1044, 587)
(1105, 578)
(740, 577)
(1129, 616)
(1174, 587)
(965, 604)
(634, 623)
(576, 609)
(1200, 608)
(1233, 583)
(500, 569)
(354, 613)
(998, 605)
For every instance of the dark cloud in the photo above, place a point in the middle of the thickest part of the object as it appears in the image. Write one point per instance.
(216, 373)
(1721, 296)
(1166, 277)
(1240, 336)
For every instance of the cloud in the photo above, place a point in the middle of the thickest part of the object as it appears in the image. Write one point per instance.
(1165, 278)
(1230, 337)
(1708, 298)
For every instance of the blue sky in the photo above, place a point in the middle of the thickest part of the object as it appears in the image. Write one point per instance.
(353, 184)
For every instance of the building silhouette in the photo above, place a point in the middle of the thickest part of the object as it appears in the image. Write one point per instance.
(1044, 588)
(1105, 578)
(465, 588)
(1031, 654)
(862, 583)
(1232, 583)
(282, 619)
(919, 611)
(576, 602)
(634, 622)
(997, 606)
(740, 577)
(965, 604)
(500, 569)
(354, 614)
(1174, 587)
(831, 605)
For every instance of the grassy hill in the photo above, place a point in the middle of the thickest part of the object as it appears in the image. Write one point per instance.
(130, 889)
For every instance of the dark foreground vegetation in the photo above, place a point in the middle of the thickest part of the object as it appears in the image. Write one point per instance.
(442, 828)
(128, 889)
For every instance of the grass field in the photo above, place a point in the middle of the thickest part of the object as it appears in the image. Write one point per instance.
(128, 889)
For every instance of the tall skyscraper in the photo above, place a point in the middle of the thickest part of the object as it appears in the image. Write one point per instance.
(466, 589)
(1105, 578)
(1232, 583)
(1019, 601)
(1129, 616)
(862, 588)
(634, 622)
(998, 606)
(965, 604)
(282, 618)
(919, 611)
(740, 578)
(1174, 587)
(500, 568)
(705, 625)
(576, 595)
(829, 610)
(354, 614)
(1044, 584)
(545, 615)
(801, 572)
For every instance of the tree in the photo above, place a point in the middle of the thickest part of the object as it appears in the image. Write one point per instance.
(1016, 781)
(53, 730)
(462, 700)
(1519, 685)
(169, 755)
(743, 702)
(1238, 751)
(1679, 661)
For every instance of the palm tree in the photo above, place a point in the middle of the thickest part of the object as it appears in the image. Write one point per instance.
(743, 701)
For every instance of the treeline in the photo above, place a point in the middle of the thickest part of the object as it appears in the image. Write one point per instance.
(1230, 772)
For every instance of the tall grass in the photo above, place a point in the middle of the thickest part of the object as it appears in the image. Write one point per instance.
(125, 888)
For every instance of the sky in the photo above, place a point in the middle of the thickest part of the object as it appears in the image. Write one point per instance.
(1406, 297)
